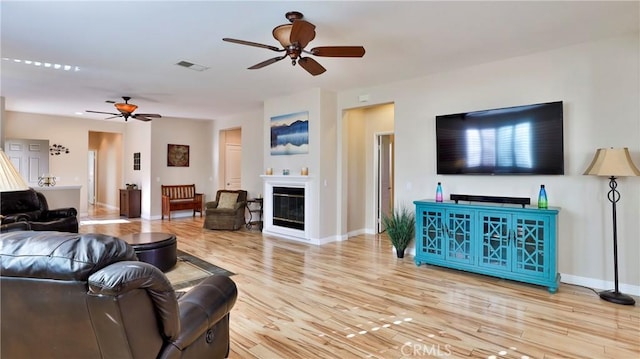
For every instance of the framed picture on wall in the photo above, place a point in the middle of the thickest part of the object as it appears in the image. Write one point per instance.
(290, 134)
(136, 161)
(177, 155)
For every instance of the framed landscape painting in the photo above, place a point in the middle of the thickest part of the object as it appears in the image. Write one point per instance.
(177, 155)
(290, 134)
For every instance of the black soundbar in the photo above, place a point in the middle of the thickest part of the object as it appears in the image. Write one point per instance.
(471, 198)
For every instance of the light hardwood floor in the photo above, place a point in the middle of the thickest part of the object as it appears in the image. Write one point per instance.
(355, 299)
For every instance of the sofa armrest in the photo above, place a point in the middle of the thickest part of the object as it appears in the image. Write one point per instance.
(13, 218)
(15, 226)
(60, 213)
(203, 306)
(212, 204)
(125, 276)
(240, 204)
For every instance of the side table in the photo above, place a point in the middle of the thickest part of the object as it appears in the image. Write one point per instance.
(254, 206)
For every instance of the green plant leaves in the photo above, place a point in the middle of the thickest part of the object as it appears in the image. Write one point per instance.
(400, 226)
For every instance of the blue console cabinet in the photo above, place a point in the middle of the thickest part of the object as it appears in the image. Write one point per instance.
(505, 241)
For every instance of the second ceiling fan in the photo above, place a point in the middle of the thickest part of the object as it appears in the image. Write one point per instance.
(294, 38)
(126, 109)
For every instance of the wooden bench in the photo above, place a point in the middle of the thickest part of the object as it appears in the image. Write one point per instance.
(180, 197)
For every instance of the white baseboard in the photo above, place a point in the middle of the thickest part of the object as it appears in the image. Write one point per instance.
(598, 284)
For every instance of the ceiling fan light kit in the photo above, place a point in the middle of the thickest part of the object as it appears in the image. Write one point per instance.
(126, 109)
(294, 38)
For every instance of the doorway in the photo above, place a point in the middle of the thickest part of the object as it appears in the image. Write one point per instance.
(367, 167)
(384, 158)
(232, 158)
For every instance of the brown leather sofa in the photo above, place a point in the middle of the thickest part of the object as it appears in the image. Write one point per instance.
(67, 295)
(224, 213)
(31, 206)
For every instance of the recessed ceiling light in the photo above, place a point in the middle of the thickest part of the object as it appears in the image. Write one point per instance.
(45, 64)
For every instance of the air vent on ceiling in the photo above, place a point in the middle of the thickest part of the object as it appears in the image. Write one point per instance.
(192, 66)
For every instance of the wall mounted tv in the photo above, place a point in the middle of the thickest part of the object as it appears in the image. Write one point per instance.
(521, 140)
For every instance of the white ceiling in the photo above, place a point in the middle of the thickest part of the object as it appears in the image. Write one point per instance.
(130, 48)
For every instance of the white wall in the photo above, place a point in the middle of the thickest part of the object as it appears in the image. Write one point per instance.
(321, 159)
(138, 139)
(600, 86)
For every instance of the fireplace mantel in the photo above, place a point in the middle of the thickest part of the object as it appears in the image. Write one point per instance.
(271, 181)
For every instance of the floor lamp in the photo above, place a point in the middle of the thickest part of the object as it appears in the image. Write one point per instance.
(612, 163)
(10, 179)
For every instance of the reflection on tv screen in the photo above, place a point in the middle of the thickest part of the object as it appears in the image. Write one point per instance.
(516, 140)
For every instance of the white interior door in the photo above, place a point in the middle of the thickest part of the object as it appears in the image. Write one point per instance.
(30, 157)
(232, 167)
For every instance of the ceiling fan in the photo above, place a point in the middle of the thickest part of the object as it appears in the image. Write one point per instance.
(294, 38)
(126, 109)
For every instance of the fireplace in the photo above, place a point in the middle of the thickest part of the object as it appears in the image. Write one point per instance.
(288, 207)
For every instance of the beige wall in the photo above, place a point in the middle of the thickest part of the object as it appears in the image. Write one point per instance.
(599, 83)
(363, 125)
(196, 134)
(108, 175)
(354, 158)
(71, 132)
(252, 150)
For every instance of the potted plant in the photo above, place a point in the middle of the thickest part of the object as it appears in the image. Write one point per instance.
(400, 226)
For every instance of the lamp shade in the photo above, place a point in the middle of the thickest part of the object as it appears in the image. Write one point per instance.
(282, 33)
(614, 162)
(10, 179)
(126, 107)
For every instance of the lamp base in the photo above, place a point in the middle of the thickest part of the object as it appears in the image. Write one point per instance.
(617, 297)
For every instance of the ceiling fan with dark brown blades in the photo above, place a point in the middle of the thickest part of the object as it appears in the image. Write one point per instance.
(125, 110)
(294, 38)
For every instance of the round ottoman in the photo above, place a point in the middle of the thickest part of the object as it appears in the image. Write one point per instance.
(156, 248)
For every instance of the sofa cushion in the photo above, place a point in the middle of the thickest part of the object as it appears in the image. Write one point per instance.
(59, 255)
(228, 200)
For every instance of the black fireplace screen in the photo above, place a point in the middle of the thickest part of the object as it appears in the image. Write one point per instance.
(288, 207)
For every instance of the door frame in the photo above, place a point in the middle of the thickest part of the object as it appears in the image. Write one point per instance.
(92, 160)
(378, 190)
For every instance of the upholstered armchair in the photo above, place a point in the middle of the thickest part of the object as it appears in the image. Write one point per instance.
(227, 211)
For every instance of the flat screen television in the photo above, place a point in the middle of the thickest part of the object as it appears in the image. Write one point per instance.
(520, 140)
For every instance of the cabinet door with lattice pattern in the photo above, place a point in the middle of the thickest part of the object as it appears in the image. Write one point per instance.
(495, 250)
(430, 234)
(460, 236)
(531, 245)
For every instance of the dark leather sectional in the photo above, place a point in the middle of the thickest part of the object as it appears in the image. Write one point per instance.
(67, 295)
(31, 206)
